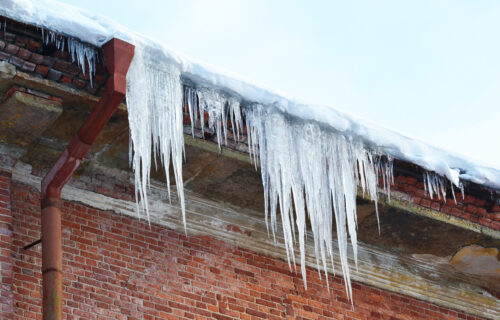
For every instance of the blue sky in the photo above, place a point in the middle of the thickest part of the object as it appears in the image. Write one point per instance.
(429, 69)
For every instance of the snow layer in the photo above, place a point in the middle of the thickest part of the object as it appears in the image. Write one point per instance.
(313, 159)
(97, 30)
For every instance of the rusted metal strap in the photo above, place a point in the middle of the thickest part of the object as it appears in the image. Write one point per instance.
(32, 244)
(51, 202)
(51, 269)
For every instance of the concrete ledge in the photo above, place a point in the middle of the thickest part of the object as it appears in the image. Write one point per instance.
(24, 117)
(398, 201)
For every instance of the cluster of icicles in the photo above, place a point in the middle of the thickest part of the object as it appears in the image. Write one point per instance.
(84, 54)
(307, 171)
(435, 185)
(81, 53)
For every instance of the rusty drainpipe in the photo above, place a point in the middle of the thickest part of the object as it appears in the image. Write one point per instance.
(118, 55)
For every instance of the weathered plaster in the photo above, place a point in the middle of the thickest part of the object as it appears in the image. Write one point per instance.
(23, 117)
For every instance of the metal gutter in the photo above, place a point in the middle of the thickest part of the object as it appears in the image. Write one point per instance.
(118, 55)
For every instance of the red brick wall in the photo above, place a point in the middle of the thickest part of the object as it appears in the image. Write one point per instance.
(6, 302)
(116, 267)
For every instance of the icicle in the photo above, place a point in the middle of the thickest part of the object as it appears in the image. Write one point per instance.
(219, 108)
(192, 103)
(435, 184)
(154, 102)
(81, 53)
(235, 117)
(453, 192)
(303, 166)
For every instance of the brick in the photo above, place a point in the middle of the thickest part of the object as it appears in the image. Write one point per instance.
(420, 192)
(425, 203)
(495, 225)
(24, 54)
(474, 218)
(11, 49)
(465, 215)
(494, 216)
(410, 189)
(28, 66)
(4, 56)
(61, 65)
(21, 40)
(18, 62)
(446, 209)
(256, 313)
(54, 75)
(36, 58)
(450, 202)
(42, 70)
(48, 61)
(471, 208)
(469, 199)
(435, 205)
(481, 211)
(244, 272)
(34, 45)
(220, 317)
(65, 79)
(456, 212)
(79, 84)
(73, 69)
(479, 202)
(411, 180)
(485, 221)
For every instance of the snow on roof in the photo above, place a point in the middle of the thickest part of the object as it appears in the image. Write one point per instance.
(97, 30)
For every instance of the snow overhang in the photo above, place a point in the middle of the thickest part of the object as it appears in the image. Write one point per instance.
(96, 30)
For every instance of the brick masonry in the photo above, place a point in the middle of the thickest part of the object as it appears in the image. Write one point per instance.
(30, 55)
(485, 212)
(116, 267)
(6, 295)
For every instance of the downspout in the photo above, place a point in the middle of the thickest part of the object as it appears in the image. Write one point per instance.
(118, 55)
